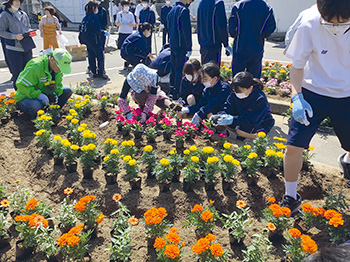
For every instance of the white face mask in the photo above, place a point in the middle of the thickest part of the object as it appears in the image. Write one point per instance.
(14, 8)
(207, 84)
(145, 5)
(189, 77)
(167, 2)
(336, 30)
(241, 95)
(126, 8)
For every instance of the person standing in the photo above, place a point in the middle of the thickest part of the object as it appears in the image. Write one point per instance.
(212, 30)
(179, 26)
(90, 35)
(126, 22)
(103, 16)
(47, 26)
(164, 11)
(320, 88)
(115, 11)
(138, 9)
(154, 9)
(147, 16)
(3, 45)
(14, 28)
(251, 21)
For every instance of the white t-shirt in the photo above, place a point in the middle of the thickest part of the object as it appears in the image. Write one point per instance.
(138, 9)
(125, 19)
(324, 57)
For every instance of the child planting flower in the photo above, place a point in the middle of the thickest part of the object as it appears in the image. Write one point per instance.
(155, 224)
(169, 248)
(208, 249)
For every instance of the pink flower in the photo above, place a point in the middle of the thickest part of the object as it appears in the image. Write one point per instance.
(222, 135)
(210, 132)
(97, 96)
(178, 123)
(119, 112)
(137, 112)
(120, 118)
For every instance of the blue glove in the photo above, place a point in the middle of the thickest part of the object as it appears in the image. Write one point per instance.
(195, 119)
(214, 119)
(128, 115)
(189, 53)
(225, 120)
(229, 50)
(300, 106)
(106, 33)
(43, 99)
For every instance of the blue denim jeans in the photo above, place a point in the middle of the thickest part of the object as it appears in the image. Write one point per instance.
(32, 106)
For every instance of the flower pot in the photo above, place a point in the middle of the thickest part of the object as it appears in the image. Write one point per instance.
(98, 160)
(325, 129)
(150, 173)
(23, 253)
(276, 236)
(176, 178)
(209, 186)
(164, 186)
(5, 241)
(307, 166)
(110, 178)
(138, 135)
(120, 128)
(58, 161)
(87, 173)
(252, 180)
(167, 136)
(179, 144)
(125, 132)
(135, 183)
(226, 185)
(72, 167)
(151, 140)
(187, 186)
(49, 152)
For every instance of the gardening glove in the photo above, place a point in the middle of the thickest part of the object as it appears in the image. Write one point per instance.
(53, 99)
(106, 33)
(228, 50)
(150, 102)
(43, 99)
(185, 110)
(225, 120)
(128, 115)
(189, 53)
(143, 118)
(214, 119)
(196, 119)
(300, 107)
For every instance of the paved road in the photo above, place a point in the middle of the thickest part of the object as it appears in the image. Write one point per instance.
(327, 146)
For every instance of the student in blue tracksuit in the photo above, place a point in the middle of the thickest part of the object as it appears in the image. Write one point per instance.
(191, 87)
(179, 26)
(102, 14)
(147, 15)
(162, 62)
(212, 30)
(164, 11)
(246, 110)
(134, 50)
(90, 35)
(251, 21)
(213, 98)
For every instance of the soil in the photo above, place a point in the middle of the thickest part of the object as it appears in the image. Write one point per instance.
(22, 158)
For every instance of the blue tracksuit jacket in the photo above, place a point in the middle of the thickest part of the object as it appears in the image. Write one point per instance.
(90, 32)
(134, 45)
(162, 62)
(179, 26)
(251, 114)
(102, 14)
(187, 88)
(251, 21)
(147, 15)
(164, 11)
(212, 23)
(213, 99)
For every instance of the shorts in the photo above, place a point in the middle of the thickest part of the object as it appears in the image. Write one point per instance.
(338, 109)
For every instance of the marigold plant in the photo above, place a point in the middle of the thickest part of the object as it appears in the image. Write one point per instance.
(86, 211)
(169, 248)
(155, 224)
(279, 216)
(203, 218)
(207, 249)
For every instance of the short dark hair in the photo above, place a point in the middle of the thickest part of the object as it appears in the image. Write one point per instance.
(154, 1)
(335, 254)
(211, 69)
(191, 66)
(90, 6)
(124, 3)
(245, 80)
(145, 26)
(334, 8)
(50, 9)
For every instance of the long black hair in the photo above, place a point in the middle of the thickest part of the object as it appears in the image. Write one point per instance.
(90, 7)
(191, 66)
(245, 80)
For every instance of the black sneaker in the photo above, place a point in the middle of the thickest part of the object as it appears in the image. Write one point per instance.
(103, 76)
(293, 204)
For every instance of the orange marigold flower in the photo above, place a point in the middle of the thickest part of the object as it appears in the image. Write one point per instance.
(172, 251)
(210, 237)
(277, 213)
(173, 237)
(286, 211)
(271, 199)
(331, 213)
(19, 218)
(274, 207)
(336, 221)
(211, 202)
(5, 203)
(162, 212)
(206, 215)
(174, 230)
(315, 211)
(159, 243)
(37, 220)
(133, 221)
(216, 250)
(201, 246)
(293, 232)
(321, 211)
(80, 206)
(117, 197)
(271, 226)
(241, 204)
(12, 94)
(76, 230)
(87, 199)
(63, 239)
(197, 208)
(100, 218)
(309, 245)
(73, 240)
(306, 207)
(68, 190)
(32, 203)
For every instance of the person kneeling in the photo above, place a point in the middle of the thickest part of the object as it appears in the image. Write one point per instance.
(246, 110)
(40, 83)
(214, 95)
(145, 92)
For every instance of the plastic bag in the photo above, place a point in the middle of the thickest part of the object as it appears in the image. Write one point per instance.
(48, 50)
(62, 40)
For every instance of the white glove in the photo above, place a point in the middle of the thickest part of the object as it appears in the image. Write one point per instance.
(195, 119)
(189, 53)
(225, 120)
(185, 110)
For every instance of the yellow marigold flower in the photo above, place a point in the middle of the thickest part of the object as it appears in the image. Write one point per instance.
(77, 105)
(228, 158)
(279, 154)
(104, 98)
(131, 143)
(252, 155)
(84, 148)
(39, 132)
(83, 125)
(92, 135)
(74, 114)
(170, 168)
(261, 134)
(74, 121)
(227, 145)
(86, 96)
(126, 158)
(132, 162)
(70, 100)
(87, 100)
(114, 151)
(78, 98)
(164, 162)
(186, 152)
(283, 71)
(195, 159)
(69, 118)
(114, 142)
(106, 158)
(91, 146)
(40, 112)
(71, 111)
(236, 162)
(247, 147)
(193, 148)
(311, 148)
(67, 144)
(208, 149)
(74, 147)
(57, 138)
(270, 152)
(280, 145)
(148, 148)
(86, 133)
(81, 129)
(212, 160)
(125, 143)
(172, 152)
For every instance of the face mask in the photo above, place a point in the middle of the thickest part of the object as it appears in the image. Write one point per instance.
(126, 8)
(167, 2)
(241, 95)
(207, 84)
(14, 8)
(144, 5)
(336, 30)
(189, 77)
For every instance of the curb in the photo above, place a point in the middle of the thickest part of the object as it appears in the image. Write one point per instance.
(278, 107)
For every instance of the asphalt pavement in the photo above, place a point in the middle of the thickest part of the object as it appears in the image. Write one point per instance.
(327, 146)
